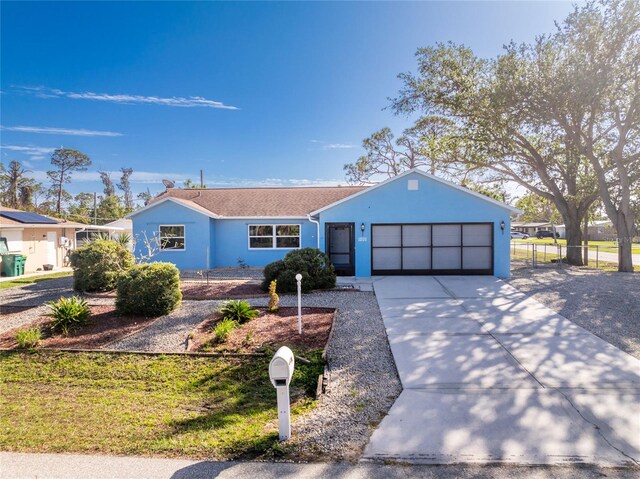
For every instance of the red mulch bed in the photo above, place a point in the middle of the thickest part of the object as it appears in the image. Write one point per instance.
(104, 327)
(220, 290)
(269, 329)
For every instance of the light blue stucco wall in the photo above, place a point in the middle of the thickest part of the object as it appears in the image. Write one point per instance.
(433, 202)
(231, 241)
(211, 242)
(198, 229)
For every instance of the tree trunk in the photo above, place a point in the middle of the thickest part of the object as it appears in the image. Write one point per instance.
(574, 241)
(624, 230)
(585, 251)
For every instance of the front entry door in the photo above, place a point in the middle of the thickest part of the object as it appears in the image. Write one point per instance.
(340, 241)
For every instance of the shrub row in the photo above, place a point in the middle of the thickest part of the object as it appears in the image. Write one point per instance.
(142, 290)
(314, 266)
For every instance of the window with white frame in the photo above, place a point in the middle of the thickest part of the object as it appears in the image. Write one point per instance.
(274, 236)
(172, 237)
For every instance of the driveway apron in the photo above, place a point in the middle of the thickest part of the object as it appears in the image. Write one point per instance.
(490, 375)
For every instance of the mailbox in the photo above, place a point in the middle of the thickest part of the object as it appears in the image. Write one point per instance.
(280, 372)
(281, 367)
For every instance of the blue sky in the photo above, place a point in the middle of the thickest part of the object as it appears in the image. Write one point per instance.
(252, 93)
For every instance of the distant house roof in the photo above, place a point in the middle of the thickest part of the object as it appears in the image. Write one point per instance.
(256, 202)
(519, 224)
(12, 218)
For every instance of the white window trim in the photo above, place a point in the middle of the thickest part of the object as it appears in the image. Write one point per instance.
(184, 238)
(274, 236)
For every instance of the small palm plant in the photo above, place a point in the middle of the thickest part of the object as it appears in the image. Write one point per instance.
(238, 311)
(68, 314)
(274, 300)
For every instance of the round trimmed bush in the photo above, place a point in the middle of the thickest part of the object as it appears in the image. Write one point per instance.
(149, 290)
(314, 266)
(98, 265)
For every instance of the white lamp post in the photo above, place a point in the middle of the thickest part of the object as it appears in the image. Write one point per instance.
(299, 280)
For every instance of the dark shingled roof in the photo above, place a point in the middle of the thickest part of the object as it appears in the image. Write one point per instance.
(271, 202)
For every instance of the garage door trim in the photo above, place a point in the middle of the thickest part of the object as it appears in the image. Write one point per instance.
(461, 271)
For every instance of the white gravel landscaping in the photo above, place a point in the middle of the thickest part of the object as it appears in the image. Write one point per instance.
(604, 303)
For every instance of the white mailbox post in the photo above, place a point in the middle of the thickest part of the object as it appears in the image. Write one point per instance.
(280, 372)
(299, 281)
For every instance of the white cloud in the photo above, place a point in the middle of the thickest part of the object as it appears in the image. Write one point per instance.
(333, 146)
(33, 152)
(59, 131)
(155, 178)
(183, 102)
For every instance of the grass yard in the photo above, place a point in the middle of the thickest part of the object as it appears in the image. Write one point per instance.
(19, 281)
(202, 407)
(604, 246)
(520, 254)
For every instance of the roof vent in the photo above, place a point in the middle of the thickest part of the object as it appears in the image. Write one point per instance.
(412, 185)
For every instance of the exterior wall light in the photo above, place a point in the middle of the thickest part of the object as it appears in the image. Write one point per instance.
(502, 225)
(362, 227)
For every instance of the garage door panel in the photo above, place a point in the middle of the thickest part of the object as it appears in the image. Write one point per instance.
(447, 258)
(477, 258)
(432, 248)
(446, 235)
(416, 235)
(416, 259)
(477, 235)
(387, 258)
(386, 235)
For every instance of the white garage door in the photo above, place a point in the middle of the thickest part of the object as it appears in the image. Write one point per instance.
(459, 248)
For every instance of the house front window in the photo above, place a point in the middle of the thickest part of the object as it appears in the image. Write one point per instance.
(172, 237)
(274, 236)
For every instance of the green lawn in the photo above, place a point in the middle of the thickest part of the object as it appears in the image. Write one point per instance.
(604, 246)
(520, 254)
(105, 403)
(19, 281)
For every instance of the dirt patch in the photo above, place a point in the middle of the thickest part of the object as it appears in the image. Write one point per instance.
(104, 327)
(269, 329)
(220, 290)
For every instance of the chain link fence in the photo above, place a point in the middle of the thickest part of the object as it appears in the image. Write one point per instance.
(535, 255)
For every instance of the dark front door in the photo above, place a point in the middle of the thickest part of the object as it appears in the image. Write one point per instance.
(340, 241)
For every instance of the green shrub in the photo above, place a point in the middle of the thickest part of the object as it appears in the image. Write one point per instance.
(98, 265)
(314, 266)
(149, 290)
(68, 314)
(29, 338)
(238, 311)
(223, 329)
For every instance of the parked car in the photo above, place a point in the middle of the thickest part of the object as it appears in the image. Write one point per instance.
(546, 234)
(519, 235)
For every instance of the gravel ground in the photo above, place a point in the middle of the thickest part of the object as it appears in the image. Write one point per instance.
(359, 359)
(169, 333)
(35, 296)
(223, 273)
(363, 382)
(604, 303)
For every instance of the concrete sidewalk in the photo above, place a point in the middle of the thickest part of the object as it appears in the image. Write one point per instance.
(490, 375)
(73, 466)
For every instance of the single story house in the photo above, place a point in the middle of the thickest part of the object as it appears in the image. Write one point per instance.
(42, 239)
(413, 223)
(532, 228)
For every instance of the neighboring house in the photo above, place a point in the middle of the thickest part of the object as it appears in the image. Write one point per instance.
(113, 229)
(532, 228)
(413, 223)
(599, 230)
(44, 240)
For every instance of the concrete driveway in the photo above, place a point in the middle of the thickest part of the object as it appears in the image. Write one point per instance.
(490, 375)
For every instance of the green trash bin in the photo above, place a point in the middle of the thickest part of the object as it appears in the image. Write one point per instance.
(10, 265)
(21, 261)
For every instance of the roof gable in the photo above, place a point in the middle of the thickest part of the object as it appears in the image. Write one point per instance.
(428, 176)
